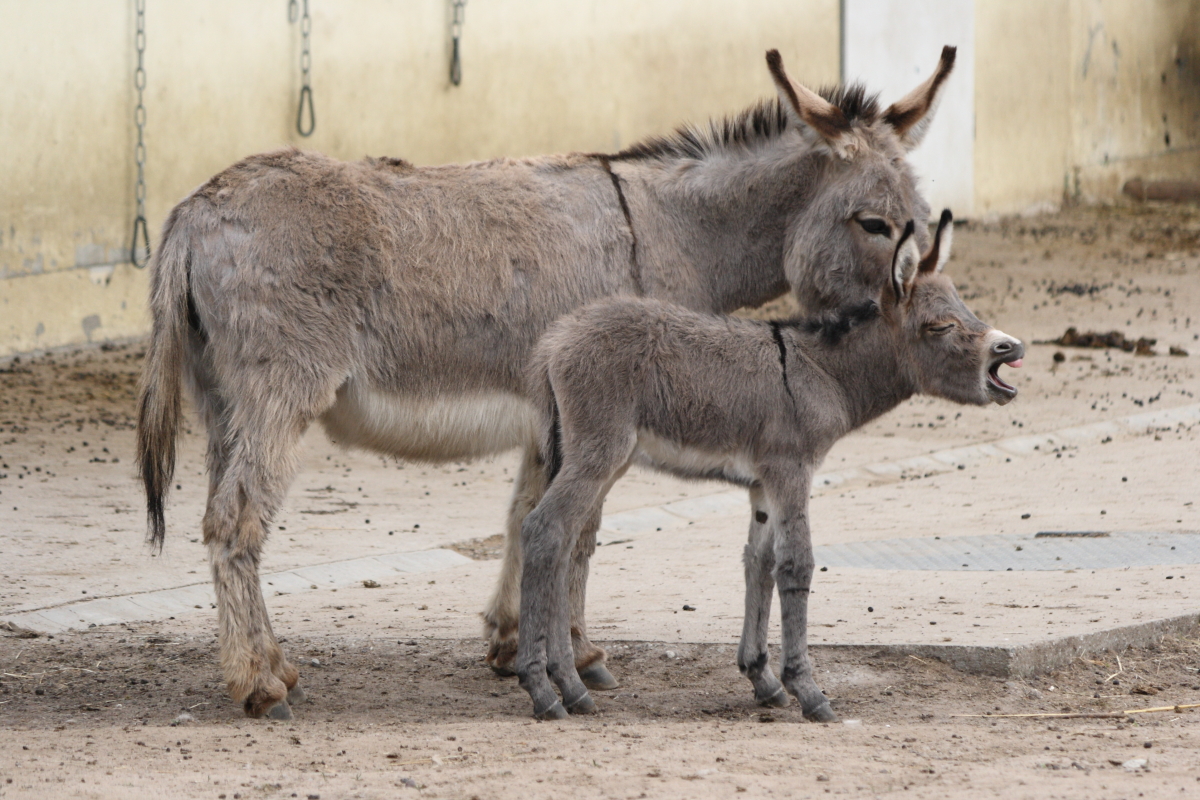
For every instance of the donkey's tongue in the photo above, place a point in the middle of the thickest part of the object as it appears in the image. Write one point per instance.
(1014, 364)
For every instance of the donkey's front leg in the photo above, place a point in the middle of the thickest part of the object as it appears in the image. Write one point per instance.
(759, 559)
(793, 575)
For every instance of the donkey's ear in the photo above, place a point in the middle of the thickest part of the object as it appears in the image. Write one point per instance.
(939, 254)
(910, 116)
(808, 108)
(904, 263)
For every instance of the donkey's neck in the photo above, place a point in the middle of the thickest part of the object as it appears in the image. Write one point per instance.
(858, 354)
(711, 229)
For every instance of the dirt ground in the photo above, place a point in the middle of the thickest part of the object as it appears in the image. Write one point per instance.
(97, 713)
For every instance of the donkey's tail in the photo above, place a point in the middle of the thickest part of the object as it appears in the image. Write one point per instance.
(549, 420)
(160, 404)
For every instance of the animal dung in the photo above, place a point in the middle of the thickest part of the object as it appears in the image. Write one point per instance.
(1143, 346)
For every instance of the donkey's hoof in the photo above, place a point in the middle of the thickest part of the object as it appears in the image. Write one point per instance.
(555, 711)
(296, 695)
(822, 713)
(501, 657)
(778, 700)
(598, 677)
(281, 711)
(583, 705)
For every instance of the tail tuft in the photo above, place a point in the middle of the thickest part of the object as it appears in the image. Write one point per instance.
(160, 403)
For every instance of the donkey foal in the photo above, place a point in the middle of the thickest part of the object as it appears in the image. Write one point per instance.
(756, 404)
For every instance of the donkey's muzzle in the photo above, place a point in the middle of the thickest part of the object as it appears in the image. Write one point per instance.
(1002, 349)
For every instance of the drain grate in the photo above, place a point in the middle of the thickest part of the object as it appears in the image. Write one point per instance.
(1049, 550)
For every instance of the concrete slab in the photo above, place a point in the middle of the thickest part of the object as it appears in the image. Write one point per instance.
(682, 547)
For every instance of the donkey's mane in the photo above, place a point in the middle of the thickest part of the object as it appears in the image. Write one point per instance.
(833, 325)
(762, 122)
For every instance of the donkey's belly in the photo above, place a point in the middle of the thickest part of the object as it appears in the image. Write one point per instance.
(690, 462)
(429, 429)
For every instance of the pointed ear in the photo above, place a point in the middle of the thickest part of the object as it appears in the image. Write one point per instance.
(939, 254)
(807, 107)
(910, 116)
(904, 263)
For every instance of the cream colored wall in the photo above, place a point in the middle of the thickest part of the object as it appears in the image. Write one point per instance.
(1022, 92)
(539, 76)
(1074, 97)
(1135, 107)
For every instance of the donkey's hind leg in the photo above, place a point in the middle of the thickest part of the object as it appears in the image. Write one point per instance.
(544, 653)
(589, 659)
(256, 461)
(753, 659)
(214, 413)
(500, 618)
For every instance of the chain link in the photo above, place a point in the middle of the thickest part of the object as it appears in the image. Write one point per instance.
(306, 96)
(139, 151)
(456, 28)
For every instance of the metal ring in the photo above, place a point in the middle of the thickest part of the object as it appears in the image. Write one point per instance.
(306, 96)
(140, 224)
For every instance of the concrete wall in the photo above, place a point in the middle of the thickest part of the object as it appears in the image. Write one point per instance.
(1074, 97)
(1070, 97)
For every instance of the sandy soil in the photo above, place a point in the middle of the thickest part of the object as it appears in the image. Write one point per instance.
(89, 714)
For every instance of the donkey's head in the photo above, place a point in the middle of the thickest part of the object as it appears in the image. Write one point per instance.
(840, 245)
(950, 352)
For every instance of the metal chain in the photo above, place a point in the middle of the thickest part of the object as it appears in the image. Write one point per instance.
(306, 96)
(456, 27)
(293, 10)
(139, 151)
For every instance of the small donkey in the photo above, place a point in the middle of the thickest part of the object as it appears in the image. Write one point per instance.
(756, 404)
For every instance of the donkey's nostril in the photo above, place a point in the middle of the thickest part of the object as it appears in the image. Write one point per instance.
(1001, 347)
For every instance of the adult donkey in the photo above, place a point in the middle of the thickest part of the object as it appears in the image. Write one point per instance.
(399, 305)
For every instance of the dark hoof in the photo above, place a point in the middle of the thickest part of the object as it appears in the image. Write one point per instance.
(778, 700)
(502, 671)
(281, 711)
(555, 711)
(822, 713)
(296, 695)
(598, 677)
(584, 705)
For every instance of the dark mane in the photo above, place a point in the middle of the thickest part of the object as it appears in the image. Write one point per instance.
(761, 122)
(853, 100)
(833, 325)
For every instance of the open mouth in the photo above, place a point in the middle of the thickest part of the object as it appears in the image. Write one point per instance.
(997, 383)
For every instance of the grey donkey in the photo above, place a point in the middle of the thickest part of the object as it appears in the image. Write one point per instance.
(398, 306)
(757, 404)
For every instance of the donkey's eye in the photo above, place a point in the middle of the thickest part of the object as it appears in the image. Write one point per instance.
(940, 328)
(876, 227)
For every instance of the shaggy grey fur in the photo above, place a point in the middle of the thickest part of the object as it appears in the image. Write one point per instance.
(628, 381)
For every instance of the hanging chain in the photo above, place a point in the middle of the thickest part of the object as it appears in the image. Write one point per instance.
(293, 10)
(140, 255)
(456, 27)
(306, 96)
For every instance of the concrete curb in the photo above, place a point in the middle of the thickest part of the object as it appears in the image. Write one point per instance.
(1034, 658)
